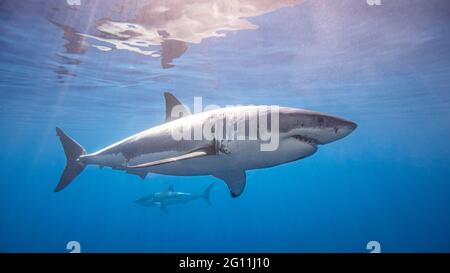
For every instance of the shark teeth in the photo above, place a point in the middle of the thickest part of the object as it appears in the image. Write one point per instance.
(308, 140)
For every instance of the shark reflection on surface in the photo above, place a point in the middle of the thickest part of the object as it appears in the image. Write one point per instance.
(157, 29)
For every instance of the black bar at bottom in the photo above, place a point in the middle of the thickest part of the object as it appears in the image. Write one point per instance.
(223, 262)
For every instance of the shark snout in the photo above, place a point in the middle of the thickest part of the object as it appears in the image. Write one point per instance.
(348, 126)
(331, 128)
(351, 125)
(139, 201)
(342, 128)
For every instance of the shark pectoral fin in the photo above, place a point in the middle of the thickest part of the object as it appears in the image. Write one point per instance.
(194, 154)
(235, 181)
(172, 102)
(161, 206)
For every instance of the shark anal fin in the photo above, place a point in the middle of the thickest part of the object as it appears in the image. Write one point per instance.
(142, 174)
(235, 181)
(206, 194)
(161, 206)
(172, 102)
(194, 154)
(164, 208)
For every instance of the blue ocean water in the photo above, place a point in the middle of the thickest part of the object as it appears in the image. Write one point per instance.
(386, 67)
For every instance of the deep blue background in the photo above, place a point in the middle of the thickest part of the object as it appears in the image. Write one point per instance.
(385, 67)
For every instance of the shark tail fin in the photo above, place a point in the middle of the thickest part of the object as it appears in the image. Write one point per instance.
(206, 194)
(73, 151)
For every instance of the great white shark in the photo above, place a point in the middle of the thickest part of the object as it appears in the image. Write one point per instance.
(171, 197)
(156, 150)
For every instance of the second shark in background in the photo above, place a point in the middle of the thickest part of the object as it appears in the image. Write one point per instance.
(170, 197)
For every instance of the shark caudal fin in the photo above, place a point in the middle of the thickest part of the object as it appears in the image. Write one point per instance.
(73, 168)
(206, 194)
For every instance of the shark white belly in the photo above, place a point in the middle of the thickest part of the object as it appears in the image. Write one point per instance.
(244, 156)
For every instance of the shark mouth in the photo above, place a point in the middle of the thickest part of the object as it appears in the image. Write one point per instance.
(306, 140)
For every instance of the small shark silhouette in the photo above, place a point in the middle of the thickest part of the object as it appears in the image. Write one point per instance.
(170, 197)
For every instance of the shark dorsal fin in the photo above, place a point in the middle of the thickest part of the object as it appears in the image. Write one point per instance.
(171, 102)
(170, 188)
